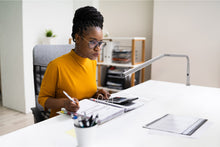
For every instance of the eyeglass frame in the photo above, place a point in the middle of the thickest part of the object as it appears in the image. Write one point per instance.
(98, 43)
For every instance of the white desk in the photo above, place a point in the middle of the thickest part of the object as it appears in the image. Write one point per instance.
(126, 130)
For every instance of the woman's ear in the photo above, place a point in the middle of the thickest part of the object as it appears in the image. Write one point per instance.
(77, 37)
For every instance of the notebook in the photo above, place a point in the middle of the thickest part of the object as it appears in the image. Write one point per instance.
(105, 112)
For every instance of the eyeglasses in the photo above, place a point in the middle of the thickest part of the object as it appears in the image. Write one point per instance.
(94, 43)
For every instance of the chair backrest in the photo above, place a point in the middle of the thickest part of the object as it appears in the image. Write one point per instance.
(42, 55)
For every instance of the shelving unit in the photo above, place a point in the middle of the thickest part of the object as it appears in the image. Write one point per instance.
(130, 65)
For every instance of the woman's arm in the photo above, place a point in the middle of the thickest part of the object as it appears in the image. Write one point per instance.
(54, 103)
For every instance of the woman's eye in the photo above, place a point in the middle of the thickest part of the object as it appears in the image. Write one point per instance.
(93, 42)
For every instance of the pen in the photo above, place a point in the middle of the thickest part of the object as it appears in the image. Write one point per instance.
(69, 97)
(81, 124)
(90, 120)
(94, 121)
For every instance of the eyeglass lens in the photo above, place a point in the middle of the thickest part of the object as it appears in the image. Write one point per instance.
(93, 44)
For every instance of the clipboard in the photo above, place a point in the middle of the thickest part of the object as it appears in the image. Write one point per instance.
(182, 125)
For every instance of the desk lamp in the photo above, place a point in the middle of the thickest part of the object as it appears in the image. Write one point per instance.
(145, 64)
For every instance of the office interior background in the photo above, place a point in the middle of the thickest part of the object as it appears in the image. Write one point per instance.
(188, 27)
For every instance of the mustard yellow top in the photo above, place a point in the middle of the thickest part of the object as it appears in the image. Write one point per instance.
(74, 74)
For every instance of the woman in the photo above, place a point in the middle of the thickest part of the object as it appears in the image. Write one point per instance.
(75, 72)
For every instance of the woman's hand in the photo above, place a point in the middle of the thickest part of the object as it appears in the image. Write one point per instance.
(101, 94)
(71, 106)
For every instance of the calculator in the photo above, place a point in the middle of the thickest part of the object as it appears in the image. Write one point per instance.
(121, 100)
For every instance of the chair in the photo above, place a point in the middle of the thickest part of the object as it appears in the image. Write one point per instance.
(42, 55)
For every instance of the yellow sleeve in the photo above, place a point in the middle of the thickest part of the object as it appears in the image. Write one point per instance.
(49, 84)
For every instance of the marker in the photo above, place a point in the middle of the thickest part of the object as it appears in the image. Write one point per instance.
(76, 123)
(69, 97)
(90, 120)
(81, 124)
(94, 121)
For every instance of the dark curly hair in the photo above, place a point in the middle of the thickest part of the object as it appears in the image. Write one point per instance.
(86, 17)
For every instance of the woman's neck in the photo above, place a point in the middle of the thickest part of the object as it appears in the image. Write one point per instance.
(77, 51)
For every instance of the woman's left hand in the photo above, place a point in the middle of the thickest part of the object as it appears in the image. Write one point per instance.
(102, 94)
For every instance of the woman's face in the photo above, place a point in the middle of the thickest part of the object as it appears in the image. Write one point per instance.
(86, 45)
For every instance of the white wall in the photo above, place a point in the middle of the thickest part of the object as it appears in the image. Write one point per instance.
(0, 73)
(37, 17)
(81, 3)
(129, 18)
(192, 28)
(24, 25)
(12, 67)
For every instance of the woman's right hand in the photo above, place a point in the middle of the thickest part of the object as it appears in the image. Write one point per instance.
(71, 106)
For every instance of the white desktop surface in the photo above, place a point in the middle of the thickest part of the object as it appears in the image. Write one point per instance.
(126, 130)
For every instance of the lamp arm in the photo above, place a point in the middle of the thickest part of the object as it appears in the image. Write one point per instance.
(149, 62)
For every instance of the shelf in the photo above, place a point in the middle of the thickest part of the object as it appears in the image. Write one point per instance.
(130, 65)
(116, 64)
